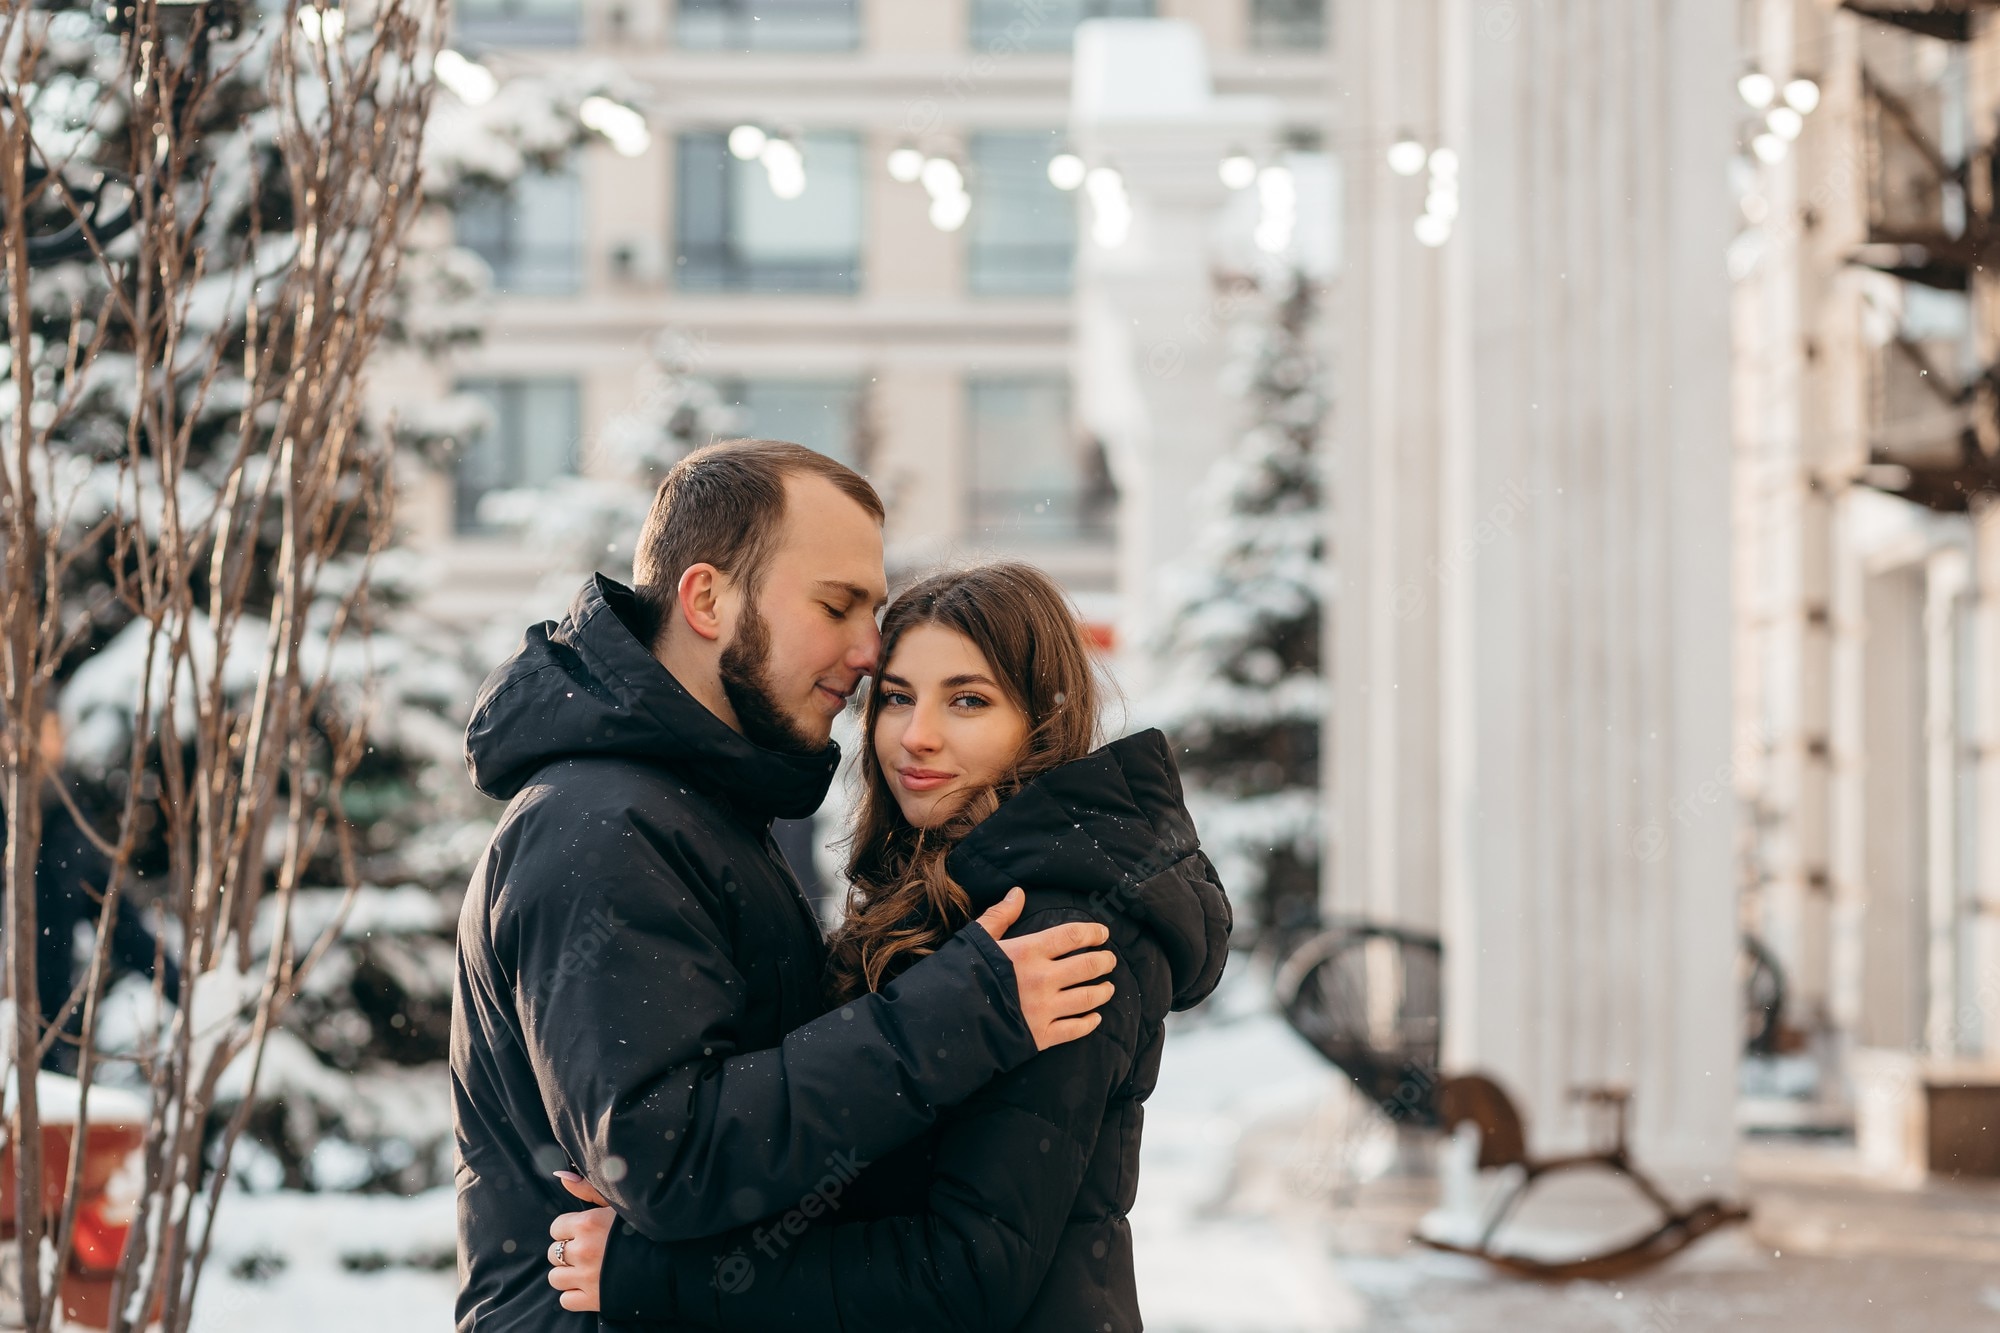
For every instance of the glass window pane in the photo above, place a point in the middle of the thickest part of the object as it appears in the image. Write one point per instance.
(735, 234)
(530, 235)
(769, 25)
(480, 223)
(479, 23)
(1031, 473)
(1280, 25)
(1023, 228)
(823, 415)
(821, 226)
(536, 424)
(701, 207)
(548, 251)
(1043, 25)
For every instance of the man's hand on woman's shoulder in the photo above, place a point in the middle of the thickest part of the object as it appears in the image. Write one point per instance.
(1051, 975)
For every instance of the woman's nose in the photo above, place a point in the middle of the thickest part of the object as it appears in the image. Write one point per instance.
(921, 736)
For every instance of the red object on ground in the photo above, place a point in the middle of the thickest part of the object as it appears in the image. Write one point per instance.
(102, 1221)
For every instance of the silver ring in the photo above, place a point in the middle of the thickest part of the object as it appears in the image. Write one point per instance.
(560, 1254)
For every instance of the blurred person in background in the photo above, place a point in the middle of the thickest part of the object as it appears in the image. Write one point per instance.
(70, 878)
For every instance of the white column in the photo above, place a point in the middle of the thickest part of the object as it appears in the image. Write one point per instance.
(1152, 322)
(1551, 438)
(1383, 746)
(1980, 1023)
(1945, 578)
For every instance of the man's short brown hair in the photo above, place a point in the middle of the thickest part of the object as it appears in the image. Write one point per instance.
(724, 505)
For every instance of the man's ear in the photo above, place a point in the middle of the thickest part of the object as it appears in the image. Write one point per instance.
(699, 597)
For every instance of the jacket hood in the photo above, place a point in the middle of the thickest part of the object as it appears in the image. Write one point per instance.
(1109, 827)
(586, 685)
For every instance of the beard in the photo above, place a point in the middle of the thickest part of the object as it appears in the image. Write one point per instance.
(746, 681)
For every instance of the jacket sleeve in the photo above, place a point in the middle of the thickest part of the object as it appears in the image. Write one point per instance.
(632, 1009)
(1008, 1168)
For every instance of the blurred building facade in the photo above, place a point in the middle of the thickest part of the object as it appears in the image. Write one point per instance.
(928, 342)
(1528, 747)
(1868, 748)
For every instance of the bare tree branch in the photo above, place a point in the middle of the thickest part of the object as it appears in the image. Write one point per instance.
(215, 539)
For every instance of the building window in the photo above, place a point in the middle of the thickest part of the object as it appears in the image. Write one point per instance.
(1023, 228)
(1043, 25)
(734, 234)
(478, 23)
(1287, 25)
(530, 441)
(530, 234)
(769, 25)
(822, 414)
(1032, 475)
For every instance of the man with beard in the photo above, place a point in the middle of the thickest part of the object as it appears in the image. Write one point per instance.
(639, 992)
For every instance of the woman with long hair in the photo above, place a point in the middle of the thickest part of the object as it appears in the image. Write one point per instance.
(980, 773)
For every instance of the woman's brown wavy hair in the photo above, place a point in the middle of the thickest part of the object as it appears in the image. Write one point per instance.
(901, 905)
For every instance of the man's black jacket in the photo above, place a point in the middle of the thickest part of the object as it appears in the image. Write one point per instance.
(1011, 1215)
(639, 993)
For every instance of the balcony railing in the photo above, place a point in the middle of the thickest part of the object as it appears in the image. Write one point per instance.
(1039, 515)
(1042, 25)
(1020, 268)
(1288, 25)
(490, 23)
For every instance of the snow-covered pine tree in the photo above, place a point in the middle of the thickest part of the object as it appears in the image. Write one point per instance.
(1242, 685)
(351, 1092)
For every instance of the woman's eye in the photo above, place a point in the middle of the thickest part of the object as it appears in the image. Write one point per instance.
(970, 700)
(894, 698)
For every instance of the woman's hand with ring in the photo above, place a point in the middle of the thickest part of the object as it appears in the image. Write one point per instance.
(577, 1256)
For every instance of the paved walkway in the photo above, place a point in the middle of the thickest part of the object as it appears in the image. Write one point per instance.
(1249, 1221)
(1827, 1250)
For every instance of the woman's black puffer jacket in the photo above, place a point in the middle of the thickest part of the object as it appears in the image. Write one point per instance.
(1012, 1214)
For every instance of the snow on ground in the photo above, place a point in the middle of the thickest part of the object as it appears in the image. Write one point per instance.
(1204, 1267)
(331, 1263)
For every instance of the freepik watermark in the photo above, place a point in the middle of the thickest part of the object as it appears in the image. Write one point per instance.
(736, 1271)
(1411, 599)
(1664, 1316)
(1318, 1169)
(1650, 841)
(925, 115)
(1237, 294)
(579, 958)
(672, 382)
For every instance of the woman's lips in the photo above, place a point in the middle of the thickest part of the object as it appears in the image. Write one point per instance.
(922, 779)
